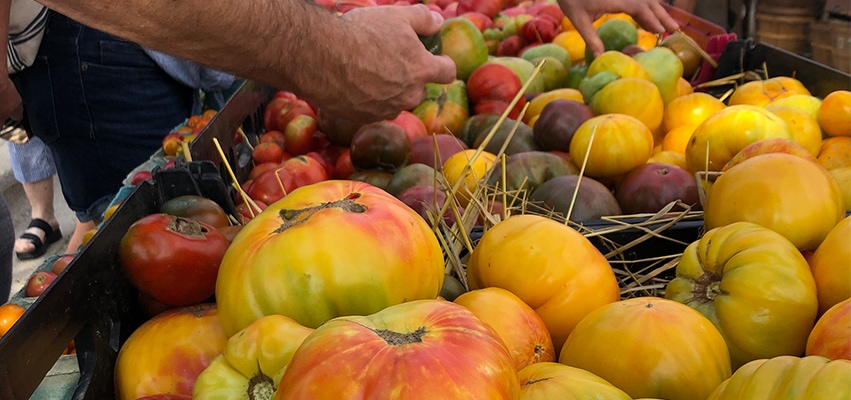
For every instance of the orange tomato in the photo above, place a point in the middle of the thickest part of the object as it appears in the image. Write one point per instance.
(760, 93)
(9, 314)
(454, 171)
(669, 157)
(803, 127)
(550, 380)
(573, 42)
(684, 87)
(690, 109)
(835, 152)
(646, 39)
(831, 266)
(650, 347)
(834, 114)
(785, 193)
(635, 97)
(830, 337)
(517, 324)
(564, 277)
(620, 143)
(677, 139)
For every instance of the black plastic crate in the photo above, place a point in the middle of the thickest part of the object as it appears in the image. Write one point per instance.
(92, 301)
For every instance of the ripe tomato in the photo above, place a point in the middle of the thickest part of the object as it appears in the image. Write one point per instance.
(266, 152)
(172, 259)
(9, 314)
(303, 170)
(621, 143)
(788, 377)
(754, 285)
(313, 256)
(650, 347)
(253, 362)
(552, 380)
(198, 208)
(834, 113)
(272, 110)
(831, 266)
(273, 136)
(426, 349)
(830, 336)
(166, 354)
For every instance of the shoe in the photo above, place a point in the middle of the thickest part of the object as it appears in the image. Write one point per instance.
(50, 236)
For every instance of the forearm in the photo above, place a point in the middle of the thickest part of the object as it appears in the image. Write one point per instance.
(269, 34)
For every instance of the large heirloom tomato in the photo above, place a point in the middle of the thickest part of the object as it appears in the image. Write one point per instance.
(174, 260)
(253, 361)
(650, 347)
(426, 349)
(788, 377)
(325, 250)
(550, 266)
(620, 144)
(831, 266)
(550, 380)
(831, 337)
(754, 285)
(166, 354)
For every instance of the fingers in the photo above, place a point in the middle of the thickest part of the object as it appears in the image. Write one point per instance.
(585, 26)
(655, 19)
(668, 22)
(446, 70)
(422, 20)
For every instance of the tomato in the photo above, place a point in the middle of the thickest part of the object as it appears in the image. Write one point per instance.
(564, 277)
(172, 259)
(198, 208)
(829, 337)
(835, 152)
(302, 135)
(551, 380)
(495, 82)
(638, 98)
(172, 143)
(426, 349)
(619, 64)
(620, 144)
(328, 249)
(788, 194)
(253, 362)
(831, 266)
(261, 168)
(834, 113)
(721, 136)
(39, 282)
(246, 213)
(754, 285)
(467, 180)
(61, 263)
(691, 109)
(344, 168)
(273, 136)
(761, 93)
(445, 109)
(650, 347)
(270, 186)
(166, 354)
(303, 170)
(788, 377)
(272, 110)
(522, 330)
(380, 145)
(267, 152)
(9, 314)
(292, 110)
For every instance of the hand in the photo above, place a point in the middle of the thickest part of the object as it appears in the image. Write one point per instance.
(648, 13)
(386, 67)
(10, 100)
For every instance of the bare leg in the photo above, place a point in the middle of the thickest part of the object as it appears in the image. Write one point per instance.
(40, 196)
(77, 237)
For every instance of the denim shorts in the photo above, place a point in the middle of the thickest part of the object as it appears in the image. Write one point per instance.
(102, 105)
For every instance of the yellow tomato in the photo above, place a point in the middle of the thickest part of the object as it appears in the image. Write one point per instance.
(620, 144)
(563, 276)
(647, 346)
(754, 285)
(550, 380)
(646, 39)
(727, 132)
(835, 152)
(807, 103)
(786, 193)
(690, 109)
(573, 42)
(834, 113)
(677, 139)
(760, 93)
(831, 266)
(454, 170)
(788, 377)
(540, 101)
(830, 337)
(619, 64)
(843, 178)
(635, 97)
(669, 157)
(803, 127)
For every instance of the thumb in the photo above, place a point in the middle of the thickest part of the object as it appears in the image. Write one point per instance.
(424, 21)
(585, 27)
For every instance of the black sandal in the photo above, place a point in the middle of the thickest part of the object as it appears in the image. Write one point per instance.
(50, 236)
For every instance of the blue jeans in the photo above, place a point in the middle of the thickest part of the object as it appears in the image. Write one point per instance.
(101, 105)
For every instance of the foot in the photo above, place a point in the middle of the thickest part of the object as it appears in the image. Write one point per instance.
(35, 240)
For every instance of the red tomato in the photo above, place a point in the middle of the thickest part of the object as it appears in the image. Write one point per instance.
(61, 263)
(302, 135)
(267, 152)
(304, 171)
(247, 214)
(284, 94)
(261, 168)
(39, 282)
(270, 186)
(329, 166)
(344, 168)
(272, 110)
(293, 109)
(172, 259)
(273, 136)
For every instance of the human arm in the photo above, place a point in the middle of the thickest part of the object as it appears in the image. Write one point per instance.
(10, 99)
(366, 65)
(582, 13)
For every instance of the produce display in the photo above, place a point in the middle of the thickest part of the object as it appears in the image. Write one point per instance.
(454, 251)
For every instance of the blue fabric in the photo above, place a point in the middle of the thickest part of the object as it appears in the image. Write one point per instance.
(31, 161)
(102, 105)
(194, 75)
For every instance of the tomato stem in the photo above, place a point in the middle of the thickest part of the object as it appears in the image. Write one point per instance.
(293, 218)
(187, 227)
(261, 387)
(707, 287)
(399, 339)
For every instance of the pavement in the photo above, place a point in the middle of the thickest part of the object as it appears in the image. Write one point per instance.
(19, 207)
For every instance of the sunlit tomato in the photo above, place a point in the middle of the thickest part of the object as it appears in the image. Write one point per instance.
(650, 347)
(638, 98)
(754, 285)
(761, 92)
(9, 314)
(785, 193)
(166, 354)
(830, 336)
(831, 266)
(620, 143)
(426, 349)
(467, 180)
(524, 333)
(721, 136)
(618, 63)
(564, 276)
(691, 109)
(172, 259)
(312, 256)
(834, 113)
(788, 377)
(253, 361)
(551, 380)
(198, 208)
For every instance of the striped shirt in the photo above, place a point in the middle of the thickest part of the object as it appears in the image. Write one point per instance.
(26, 28)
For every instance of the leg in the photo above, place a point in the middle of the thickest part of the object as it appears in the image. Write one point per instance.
(77, 237)
(40, 196)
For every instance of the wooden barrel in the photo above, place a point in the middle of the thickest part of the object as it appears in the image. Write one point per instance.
(786, 27)
(841, 38)
(821, 42)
